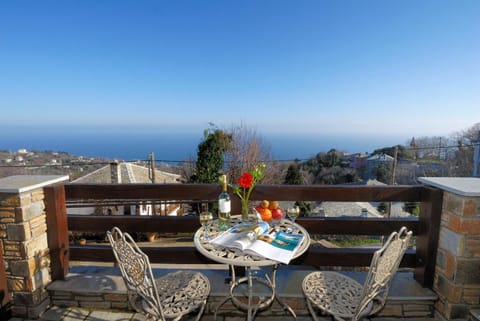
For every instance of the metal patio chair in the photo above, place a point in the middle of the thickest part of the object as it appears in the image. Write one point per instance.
(344, 298)
(167, 298)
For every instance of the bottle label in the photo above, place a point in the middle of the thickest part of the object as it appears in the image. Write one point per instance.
(224, 206)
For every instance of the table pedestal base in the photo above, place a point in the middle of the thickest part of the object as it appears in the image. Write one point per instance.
(263, 301)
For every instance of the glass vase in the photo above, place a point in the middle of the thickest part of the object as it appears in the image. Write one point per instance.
(244, 211)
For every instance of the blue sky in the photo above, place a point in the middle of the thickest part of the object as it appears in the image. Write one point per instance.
(345, 67)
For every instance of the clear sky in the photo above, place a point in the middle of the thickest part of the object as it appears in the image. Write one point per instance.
(405, 68)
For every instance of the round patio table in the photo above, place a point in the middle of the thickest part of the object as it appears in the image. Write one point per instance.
(251, 263)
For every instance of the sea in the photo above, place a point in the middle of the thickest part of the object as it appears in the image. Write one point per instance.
(171, 147)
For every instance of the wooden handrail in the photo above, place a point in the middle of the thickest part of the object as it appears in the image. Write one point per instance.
(211, 191)
(189, 224)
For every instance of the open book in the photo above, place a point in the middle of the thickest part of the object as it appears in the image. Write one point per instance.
(260, 240)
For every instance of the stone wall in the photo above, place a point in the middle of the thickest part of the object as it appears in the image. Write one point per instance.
(24, 241)
(101, 287)
(457, 275)
(414, 310)
(105, 300)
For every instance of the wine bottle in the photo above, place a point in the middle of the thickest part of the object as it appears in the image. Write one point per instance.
(224, 206)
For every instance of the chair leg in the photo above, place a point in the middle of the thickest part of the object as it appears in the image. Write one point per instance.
(202, 308)
(312, 311)
(132, 298)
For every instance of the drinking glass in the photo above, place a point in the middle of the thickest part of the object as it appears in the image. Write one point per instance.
(205, 219)
(292, 214)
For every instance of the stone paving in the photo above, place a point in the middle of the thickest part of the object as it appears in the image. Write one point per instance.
(79, 314)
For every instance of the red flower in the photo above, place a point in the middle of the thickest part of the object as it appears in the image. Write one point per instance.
(246, 180)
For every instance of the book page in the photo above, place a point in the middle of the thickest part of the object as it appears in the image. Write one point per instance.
(279, 246)
(240, 236)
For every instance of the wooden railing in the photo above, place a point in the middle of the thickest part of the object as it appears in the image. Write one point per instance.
(421, 258)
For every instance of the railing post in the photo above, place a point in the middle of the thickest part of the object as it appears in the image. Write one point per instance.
(23, 233)
(428, 233)
(57, 232)
(457, 274)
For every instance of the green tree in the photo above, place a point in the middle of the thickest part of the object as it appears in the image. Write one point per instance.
(305, 207)
(412, 208)
(383, 173)
(332, 158)
(210, 156)
(293, 176)
(402, 151)
(382, 207)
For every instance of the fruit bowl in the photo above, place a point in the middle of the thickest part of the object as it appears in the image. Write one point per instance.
(270, 211)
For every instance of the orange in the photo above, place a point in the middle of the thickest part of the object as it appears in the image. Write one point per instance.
(266, 214)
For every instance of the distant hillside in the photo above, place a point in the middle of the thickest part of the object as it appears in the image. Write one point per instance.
(26, 162)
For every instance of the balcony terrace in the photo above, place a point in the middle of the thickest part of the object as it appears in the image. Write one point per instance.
(40, 268)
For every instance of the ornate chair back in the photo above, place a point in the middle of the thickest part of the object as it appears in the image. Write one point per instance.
(137, 273)
(384, 264)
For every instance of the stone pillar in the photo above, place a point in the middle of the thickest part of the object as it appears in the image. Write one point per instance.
(23, 234)
(457, 273)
